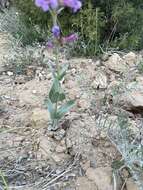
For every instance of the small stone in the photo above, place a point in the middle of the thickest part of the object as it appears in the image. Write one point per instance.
(100, 81)
(107, 144)
(125, 173)
(61, 149)
(46, 147)
(130, 58)
(68, 143)
(131, 185)
(83, 103)
(102, 177)
(59, 135)
(98, 62)
(105, 57)
(34, 91)
(59, 157)
(70, 84)
(116, 63)
(74, 92)
(9, 73)
(86, 165)
(50, 134)
(49, 76)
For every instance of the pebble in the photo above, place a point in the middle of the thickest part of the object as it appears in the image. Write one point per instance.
(9, 73)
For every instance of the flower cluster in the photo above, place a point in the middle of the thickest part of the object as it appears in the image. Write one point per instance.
(75, 5)
(54, 6)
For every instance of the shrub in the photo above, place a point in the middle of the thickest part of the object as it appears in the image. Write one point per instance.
(17, 25)
(102, 23)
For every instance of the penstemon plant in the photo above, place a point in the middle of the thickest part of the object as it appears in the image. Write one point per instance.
(56, 95)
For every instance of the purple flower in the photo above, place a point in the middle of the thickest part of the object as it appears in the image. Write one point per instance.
(73, 4)
(70, 38)
(56, 31)
(49, 45)
(53, 4)
(46, 4)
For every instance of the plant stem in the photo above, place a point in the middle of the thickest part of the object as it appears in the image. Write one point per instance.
(4, 181)
(96, 30)
(55, 121)
(57, 58)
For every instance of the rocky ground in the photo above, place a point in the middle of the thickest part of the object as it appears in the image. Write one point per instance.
(79, 155)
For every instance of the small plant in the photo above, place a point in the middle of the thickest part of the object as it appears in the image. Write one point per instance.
(4, 183)
(140, 67)
(56, 94)
(19, 27)
(128, 144)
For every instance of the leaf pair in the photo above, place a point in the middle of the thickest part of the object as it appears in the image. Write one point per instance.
(56, 94)
(62, 72)
(61, 111)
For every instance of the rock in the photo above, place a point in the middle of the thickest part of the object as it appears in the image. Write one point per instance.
(105, 57)
(46, 147)
(131, 185)
(59, 157)
(59, 135)
(34, 91)
(83, 103)
(100, 81)
(61, 148)
(40, 118)
(130, 58)
(9, 73)
(84, 183)
(116, 63)
(85, 165)
(70, 84)
(132, 96)
(102, 177)
(74, 93)
(135, 100)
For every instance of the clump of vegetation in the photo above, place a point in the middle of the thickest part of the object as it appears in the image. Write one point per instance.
(16, 24)
(128, 143)
(100, 24)
(140, 67)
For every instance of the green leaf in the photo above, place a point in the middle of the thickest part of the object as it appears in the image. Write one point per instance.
(64, 109)
(62, 72)
(51, 108)
(56, 94)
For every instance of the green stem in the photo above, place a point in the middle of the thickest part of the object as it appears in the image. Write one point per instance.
(55, 19)
(4, 181)
(55, 123)
(57, 59)
(96, 30)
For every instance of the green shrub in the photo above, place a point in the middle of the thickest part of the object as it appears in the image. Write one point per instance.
(100, 23)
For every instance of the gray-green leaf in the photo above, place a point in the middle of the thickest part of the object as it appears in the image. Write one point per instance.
(64, 109)
(56, 94)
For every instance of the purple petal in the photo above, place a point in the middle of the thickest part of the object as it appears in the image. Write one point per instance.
(38, 3)
(74, 4)
(54, 4)
(49, 45)
(56, 31)
(44, 4)
(70, 38)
